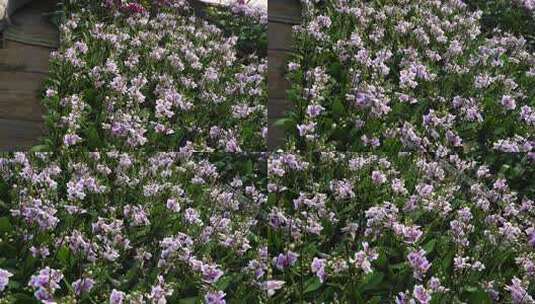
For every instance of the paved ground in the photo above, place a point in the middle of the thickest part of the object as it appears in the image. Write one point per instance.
(23, 68)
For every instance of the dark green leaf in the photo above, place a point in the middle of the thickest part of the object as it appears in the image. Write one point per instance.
(190, 300)
(63, 256)
(372, 280)
(5, 225)
(312, 284)
(430, 246)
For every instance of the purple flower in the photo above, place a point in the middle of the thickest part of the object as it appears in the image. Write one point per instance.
(133, 8)
(362, 99)
(318, 267)
(531, 236)
(81, 286)
(46, 282)
(217, 297)
(285, 260)
(173, 205)
(160, 291)
(343, 189)
(519, 295)
(364, 257)
(71, 139)
(411, 233)
(117, 297)
(421, 294)
(51, 93)
(211, 273)
(528, 115)
(4, 278)
(419, 263)
(378, 177)
(402, 298)
(508, 102)
(424, 190)
(314, 110)
(306, 129)
(454, 139)
(271, 286)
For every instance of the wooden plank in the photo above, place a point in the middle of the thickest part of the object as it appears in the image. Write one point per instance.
(278, 108)
(275, 136)
(30, 19)
(283, 14)
(21, 105)
(20, 81)
(280, 36)
(23, 68)
(20, 57)
(285, 11)
(277, 84)
(19, 135)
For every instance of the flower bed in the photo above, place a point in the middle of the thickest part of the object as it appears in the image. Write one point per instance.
(153, 76)
(365, 228)
(414, 75)
(131, 228)
(414, 184)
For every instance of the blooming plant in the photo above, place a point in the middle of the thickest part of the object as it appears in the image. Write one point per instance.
(413, 75)
(250, 28)
(408, 175)
(131, 75)
(367, 228)
(131, 228)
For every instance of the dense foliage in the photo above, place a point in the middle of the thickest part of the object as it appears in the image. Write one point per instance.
(436, 100)
(146, 228)
(365, 228)
(408, 175)
(131, 75)
(414, 75)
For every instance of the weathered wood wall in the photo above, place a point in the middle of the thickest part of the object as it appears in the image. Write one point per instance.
(23, 68)
(283, 15)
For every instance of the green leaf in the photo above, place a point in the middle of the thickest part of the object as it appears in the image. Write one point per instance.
(5, 225)
(22, 298)
(398, 266)
(338, 108)
(190, 300)
(249, 167)
(312, 284)
(13, 284)
(223, 283)
(284, 122)
(430, 246)
(40, 148)
(447, 261)
(374, 300)
(64, 255)
(372, 280)
(93, 138)
(477, 295)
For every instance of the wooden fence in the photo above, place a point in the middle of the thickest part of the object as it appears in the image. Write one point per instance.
(283, 15)
(23, 68)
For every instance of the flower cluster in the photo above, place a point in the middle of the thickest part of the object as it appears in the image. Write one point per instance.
(409, 228)
(132, 228)
(157, 79)
(411, 75)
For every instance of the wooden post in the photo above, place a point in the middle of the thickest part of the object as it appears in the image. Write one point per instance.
(282, 16)
(2, 37)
